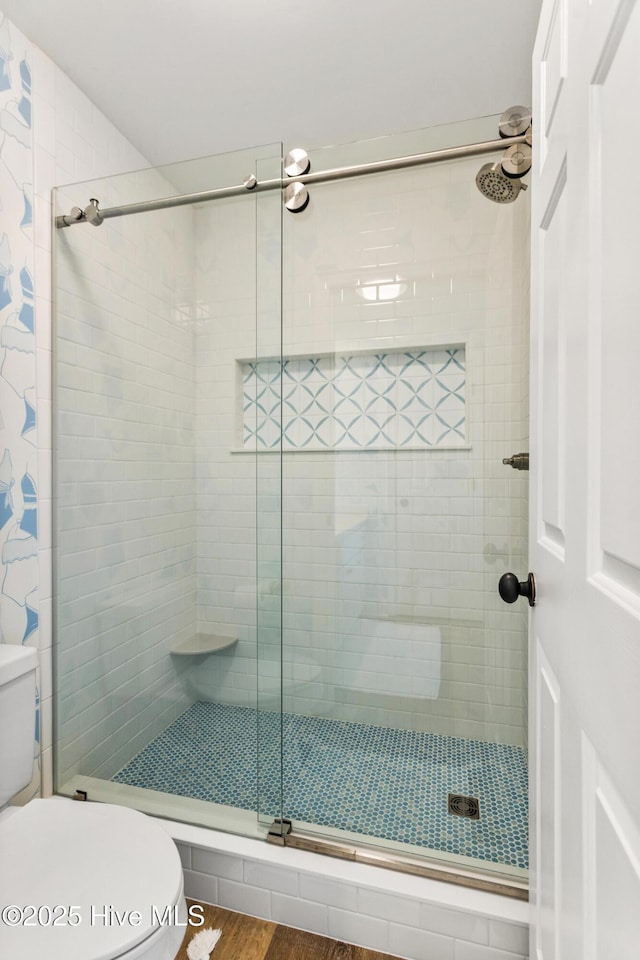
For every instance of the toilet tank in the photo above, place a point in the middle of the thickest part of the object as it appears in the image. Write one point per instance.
(17, 717)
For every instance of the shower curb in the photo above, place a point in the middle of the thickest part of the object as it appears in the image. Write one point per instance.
(413, 917)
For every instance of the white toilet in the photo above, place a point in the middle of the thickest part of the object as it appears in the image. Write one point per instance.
(78, 881)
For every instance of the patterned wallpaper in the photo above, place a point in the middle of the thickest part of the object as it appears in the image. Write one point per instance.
(405, 399)
(18, 453)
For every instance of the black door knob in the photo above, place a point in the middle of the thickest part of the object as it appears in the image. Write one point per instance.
(510, 588)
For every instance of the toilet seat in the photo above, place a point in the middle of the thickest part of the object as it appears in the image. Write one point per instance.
(113, 864)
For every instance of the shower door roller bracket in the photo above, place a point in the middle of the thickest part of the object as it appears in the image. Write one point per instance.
(296, 195)
(297, 162)
(92, 213)
(278, 831)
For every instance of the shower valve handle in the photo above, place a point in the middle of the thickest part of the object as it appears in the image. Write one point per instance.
(510, 588)
(519, 461)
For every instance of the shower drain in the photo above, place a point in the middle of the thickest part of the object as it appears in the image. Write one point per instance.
(462, 806)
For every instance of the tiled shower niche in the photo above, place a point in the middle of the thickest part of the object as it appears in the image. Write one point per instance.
(409, 399)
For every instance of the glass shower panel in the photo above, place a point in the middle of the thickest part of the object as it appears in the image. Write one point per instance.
(277, 548)
(156, 543)
(404, 386)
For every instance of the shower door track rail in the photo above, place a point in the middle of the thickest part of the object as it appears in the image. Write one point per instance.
(490, 882)
(252, 186)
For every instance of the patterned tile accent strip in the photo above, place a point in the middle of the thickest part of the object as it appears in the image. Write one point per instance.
(376, 781)
(408, 399)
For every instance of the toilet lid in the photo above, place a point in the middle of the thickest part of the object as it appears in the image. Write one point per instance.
(117, 867)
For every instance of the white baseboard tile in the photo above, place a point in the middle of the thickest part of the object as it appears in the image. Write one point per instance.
(356, 928)
(244, 899)
(508, 936)
(276, 879)
(467, 926)
(408, 917)
(200, 886)
(216, 864)
(303, 914)
(329, 891)
(473, 951)
(419, 944)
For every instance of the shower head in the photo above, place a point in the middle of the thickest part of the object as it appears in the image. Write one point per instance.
(492, 183)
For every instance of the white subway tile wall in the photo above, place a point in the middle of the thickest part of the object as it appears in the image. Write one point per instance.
(126, 577)
(226, 483)
(72, 141)
(139, 476)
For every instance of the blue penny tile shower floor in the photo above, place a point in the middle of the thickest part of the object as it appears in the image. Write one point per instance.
(376, 781)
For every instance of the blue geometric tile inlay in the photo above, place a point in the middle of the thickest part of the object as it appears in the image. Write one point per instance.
(402, 399)
(377, 781)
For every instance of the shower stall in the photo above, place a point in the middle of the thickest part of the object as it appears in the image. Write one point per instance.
(281, 507)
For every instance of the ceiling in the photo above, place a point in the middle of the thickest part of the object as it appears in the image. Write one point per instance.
(201, 76)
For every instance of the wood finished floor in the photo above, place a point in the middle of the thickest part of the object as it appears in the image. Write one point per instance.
(246, 938)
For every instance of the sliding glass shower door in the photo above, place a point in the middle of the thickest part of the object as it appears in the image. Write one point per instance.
(281, 507)
(167, 522)
(404, 387)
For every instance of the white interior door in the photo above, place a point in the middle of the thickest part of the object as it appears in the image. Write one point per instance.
(585, 503)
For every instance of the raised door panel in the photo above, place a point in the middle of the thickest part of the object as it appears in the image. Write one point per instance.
(611, 878)
(548, 806)
(552, 71)
(614, 330)
(551, 463)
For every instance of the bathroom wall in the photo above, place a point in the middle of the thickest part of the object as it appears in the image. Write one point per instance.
(226, 533)
(238, 296)
(19, 607)
(394, 616)
(63, 138)
(73, 141)
(391, 555)
(476, 675)
(125, 553)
